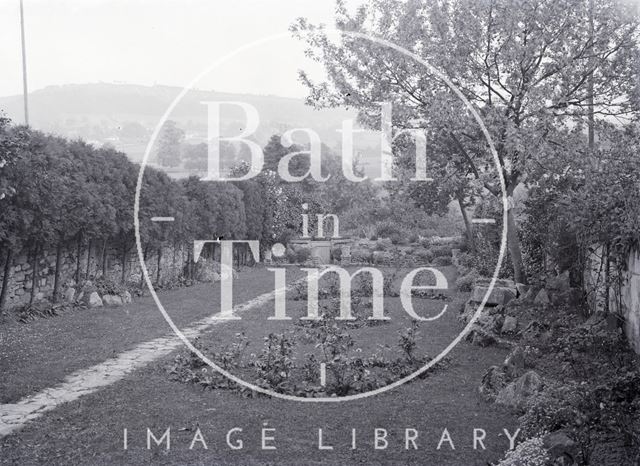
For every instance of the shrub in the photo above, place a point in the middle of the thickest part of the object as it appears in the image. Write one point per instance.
(556, 407)
(407, 341)
(336, 254)
(188, 367)
(275, 363)
(396, 239)
(466, 282)
(298, 255)
(302, 255)
(413, 238)
(387, 229)
(423, 255)
(442, 261)
(529, 453)
(439, 251)
(362, 255)
(466, 260)
(383, 245)
(290, 255)
(41, 309)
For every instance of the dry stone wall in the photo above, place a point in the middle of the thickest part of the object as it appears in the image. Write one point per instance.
(21, 273)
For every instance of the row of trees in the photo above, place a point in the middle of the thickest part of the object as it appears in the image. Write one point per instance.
(61, 194)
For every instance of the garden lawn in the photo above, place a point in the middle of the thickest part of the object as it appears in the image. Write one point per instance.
(90, 430)
(43, 352)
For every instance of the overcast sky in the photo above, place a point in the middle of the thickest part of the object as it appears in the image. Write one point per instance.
(157, 41)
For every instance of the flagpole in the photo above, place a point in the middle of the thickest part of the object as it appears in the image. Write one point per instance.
(24, 68)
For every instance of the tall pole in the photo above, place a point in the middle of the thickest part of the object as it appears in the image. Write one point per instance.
(590, 90)
(24, 68)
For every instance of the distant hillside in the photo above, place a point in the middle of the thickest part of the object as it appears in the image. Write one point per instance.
(124, 115)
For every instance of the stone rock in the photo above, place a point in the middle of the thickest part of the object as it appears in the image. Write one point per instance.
(87, 285)
(516, 394)
(208, 275)
(498, 296)
(542, 298)
(69, 295)
(535, 331)
(522, 290)
(530, 295)
(560, 445)
(112, 300)
(126, 297)
(559, 283)
(490, 323)
(467, 312)
(510, 325)
(480, 337)
(515, 362)
(94, 300)
(493, 381)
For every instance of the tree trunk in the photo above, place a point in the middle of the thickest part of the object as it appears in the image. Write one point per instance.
(78, 254)
(88, 269)
(56, 278)
(104, 257)
(124, 265)
(190, 264)
(173, 261)
(515, 251)
(145, 254)
(34, 276)
(467, 223)
(607, 279)
(6, 280)
(159, 262)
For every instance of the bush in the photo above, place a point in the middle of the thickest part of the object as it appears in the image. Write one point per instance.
(41, 309)
(302, 255)
(275, 363)
(298, 255)
(556, 407)
(413, 238)
(387, 230)
(466, 260)
(383, 245)
(529, 453)
(442, 261)
(466, 282)
(423, 256)
(362, 255)
(397, 239)
(336, 254)
(439, 251)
